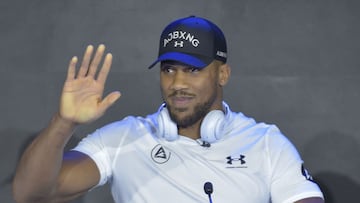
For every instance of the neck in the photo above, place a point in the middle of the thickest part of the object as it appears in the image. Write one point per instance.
(192, 131)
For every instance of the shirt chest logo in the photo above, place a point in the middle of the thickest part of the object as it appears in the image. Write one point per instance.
(236, 161)
(160, 154)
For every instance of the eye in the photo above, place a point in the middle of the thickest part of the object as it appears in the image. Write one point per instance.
(193, 70)
(167, 68)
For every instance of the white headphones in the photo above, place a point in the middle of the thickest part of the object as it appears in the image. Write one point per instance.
(210, 129)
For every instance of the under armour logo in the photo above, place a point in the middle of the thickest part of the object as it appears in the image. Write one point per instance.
(160, 154)
(231, 159)
(179, 43)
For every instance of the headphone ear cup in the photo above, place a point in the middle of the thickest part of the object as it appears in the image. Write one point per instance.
(167, 128)
(212, 126)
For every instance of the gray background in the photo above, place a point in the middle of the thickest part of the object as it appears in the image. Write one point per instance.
(294, 64)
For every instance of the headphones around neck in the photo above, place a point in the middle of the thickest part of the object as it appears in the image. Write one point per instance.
(210, 129)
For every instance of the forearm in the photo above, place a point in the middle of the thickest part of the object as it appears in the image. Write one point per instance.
(40, 165)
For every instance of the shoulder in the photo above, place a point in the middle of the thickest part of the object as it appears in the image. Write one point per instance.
(247, 128)
(117, 132)
(239, 122)
(128, 123)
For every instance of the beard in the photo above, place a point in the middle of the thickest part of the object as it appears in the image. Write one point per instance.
(199, 112)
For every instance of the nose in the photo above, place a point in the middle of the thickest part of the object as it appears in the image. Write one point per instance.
(179, 81)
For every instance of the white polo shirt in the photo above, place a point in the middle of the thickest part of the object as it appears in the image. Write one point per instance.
(252, 163)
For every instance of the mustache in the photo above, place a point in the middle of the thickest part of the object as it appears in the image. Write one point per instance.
(179, 93)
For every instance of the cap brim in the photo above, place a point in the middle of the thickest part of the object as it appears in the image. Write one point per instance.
(183, 58)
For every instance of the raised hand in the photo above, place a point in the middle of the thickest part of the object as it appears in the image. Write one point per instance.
(82, 96)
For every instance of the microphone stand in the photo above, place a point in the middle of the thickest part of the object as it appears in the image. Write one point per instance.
(210, 200)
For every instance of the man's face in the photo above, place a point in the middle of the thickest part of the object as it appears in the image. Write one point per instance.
(190, 93)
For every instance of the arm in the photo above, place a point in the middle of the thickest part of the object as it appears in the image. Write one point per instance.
(311, 200)
(44, 173)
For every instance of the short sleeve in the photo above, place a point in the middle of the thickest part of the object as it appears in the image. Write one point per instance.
(104, 145)
(290, 181)
(93, 147)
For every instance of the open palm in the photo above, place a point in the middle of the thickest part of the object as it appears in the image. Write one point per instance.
(82, 96)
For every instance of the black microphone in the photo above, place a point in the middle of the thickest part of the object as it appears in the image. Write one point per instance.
(205, 144)
(208, 189)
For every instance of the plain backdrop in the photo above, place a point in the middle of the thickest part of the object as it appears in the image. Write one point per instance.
(294, 64)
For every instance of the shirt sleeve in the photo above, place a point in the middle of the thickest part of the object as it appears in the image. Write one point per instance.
(290, 181)
(93, 147)
(104, 145)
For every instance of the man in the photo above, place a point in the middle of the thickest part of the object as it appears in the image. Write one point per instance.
(194, 142)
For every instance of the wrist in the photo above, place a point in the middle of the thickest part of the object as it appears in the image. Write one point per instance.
(58, 118)
(65, 125)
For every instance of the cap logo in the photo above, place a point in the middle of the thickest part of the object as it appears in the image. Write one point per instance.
(181, 36)
(221, 54)
(179, 43)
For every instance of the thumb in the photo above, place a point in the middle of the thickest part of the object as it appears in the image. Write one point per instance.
(109, 100)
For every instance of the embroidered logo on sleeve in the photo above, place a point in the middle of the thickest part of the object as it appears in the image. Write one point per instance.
(306, 173)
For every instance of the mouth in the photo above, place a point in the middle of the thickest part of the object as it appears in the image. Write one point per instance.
(181, 100)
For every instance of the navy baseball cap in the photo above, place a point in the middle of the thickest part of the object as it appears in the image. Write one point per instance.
(193, 41)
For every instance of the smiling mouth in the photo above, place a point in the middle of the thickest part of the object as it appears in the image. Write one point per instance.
(180, 99)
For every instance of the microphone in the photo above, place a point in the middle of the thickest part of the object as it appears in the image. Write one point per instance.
(205, 144)
(208, 189)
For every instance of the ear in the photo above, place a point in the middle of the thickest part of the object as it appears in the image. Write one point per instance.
(224, 74)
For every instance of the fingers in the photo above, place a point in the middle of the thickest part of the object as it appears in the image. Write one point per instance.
(104, 71)
(89, 65)
(86, 61)
(71, 69)
(96, 61)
